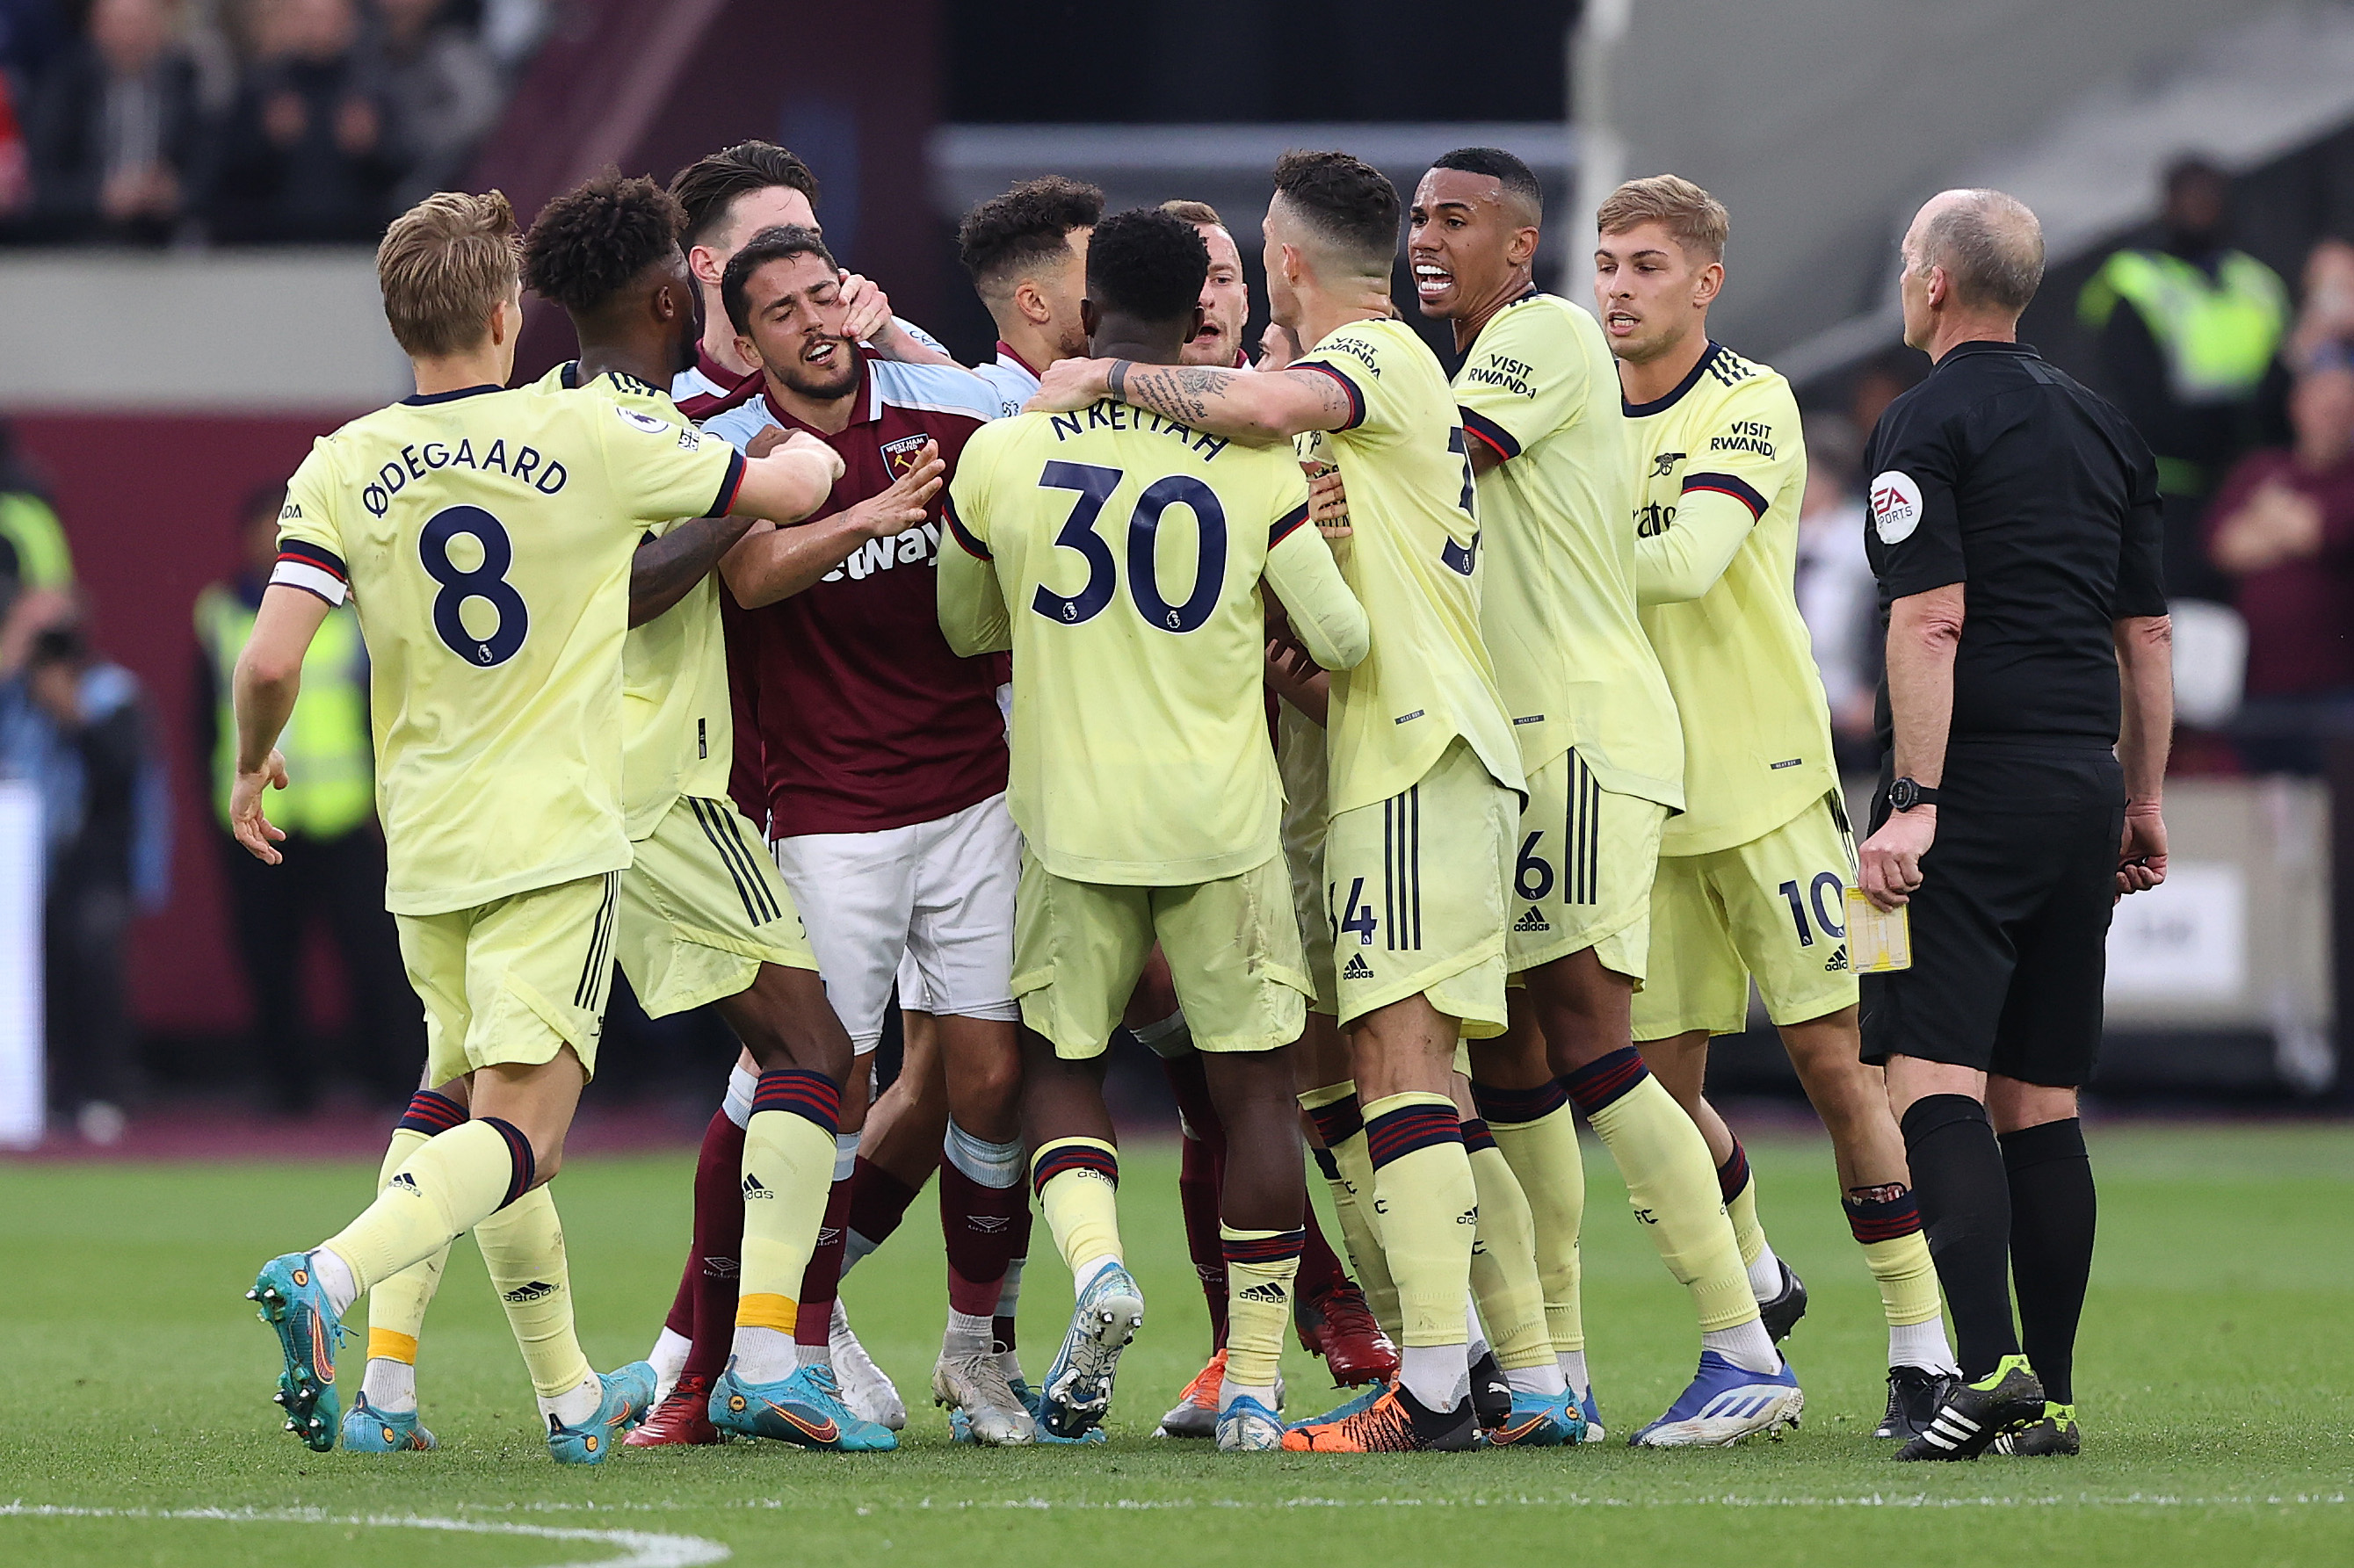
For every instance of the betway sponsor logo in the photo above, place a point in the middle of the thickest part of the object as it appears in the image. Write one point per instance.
(916, 547)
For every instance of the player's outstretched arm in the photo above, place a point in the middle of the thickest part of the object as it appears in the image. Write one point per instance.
(769, 563)
(1684, 561)
(1256, 407)
(788, 481)
(664, 571)
(268, 678)
(1324, 615)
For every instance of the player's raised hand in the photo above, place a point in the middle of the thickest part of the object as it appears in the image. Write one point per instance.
(1069, 384)
(866, 308)
(909, 498)
(247, 819)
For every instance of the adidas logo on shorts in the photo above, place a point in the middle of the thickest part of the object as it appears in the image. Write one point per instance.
(1534, 920)
(1836, 963)
(1358, 969)
(1270, 1293)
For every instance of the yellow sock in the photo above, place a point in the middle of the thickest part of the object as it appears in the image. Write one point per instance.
(522, 1247)
(1738, 1188)
(1542, 1152)
(1504, 1260)
(445, 1189)
(397, 1306)
(1078, 1182)
(1671, 1183)
(1907, 1280)
(1260, 1268)
(1348, 1167)
(788, 1159)
(1430, 1209)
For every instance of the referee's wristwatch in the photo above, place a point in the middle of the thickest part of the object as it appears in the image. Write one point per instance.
(1907, 794)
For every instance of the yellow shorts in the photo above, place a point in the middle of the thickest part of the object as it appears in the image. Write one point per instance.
(516, 979)
(702, 907)
(1232, 945)
(1415, 887)
(1774, 908)
(1582, 873)
(1306, 810)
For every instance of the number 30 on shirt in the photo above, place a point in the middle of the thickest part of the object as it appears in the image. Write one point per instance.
(1094, 485)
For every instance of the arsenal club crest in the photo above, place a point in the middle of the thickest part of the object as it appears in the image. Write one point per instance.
(900, 456)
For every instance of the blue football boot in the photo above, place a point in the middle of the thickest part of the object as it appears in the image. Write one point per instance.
(1724, 1404)
(1076, 1395)
(295, 1303)
(367, 1430)
(805, 1410)
(629, 1395)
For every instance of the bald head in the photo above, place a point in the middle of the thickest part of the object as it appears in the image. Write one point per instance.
(1988, 245)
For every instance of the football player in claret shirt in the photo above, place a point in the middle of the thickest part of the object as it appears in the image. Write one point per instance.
(1751, 876)
(1423, 768)
(1027, 251)
(886, 762)
(1074, 533)
(485, 536)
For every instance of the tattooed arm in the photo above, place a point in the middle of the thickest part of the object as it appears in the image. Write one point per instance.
(1250, 406)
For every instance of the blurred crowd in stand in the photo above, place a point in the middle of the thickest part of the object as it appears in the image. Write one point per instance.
(243, 121)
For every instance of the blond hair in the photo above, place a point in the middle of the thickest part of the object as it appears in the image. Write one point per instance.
(1193, 212)
(444, 266)
(1697, 219)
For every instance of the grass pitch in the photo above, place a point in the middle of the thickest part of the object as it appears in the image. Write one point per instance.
(2216, 1380)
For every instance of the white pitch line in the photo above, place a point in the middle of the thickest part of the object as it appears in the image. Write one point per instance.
(641, 1549)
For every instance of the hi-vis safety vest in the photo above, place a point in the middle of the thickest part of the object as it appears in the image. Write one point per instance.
(2218, 334)
(330, 772)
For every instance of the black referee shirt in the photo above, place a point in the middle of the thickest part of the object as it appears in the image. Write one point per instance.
(2001, 473)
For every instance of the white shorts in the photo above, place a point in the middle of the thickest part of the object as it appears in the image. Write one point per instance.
(937, 896)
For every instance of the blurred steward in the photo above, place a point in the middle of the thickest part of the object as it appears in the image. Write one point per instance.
(2282, 530)
(76, 726)
(1836, 595)
(309, 153)
(33, 552)
(333, 871)
(2188, 335)
(119, 139)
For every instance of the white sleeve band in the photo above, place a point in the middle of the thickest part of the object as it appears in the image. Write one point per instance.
(310, 578)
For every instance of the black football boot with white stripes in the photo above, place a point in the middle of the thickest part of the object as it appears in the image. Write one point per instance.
(1974, 1413)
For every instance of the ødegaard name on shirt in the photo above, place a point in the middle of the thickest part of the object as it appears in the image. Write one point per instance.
(1106, 415)
(524, 464)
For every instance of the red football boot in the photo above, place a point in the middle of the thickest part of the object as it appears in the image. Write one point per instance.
(1339, 1327)
(682, 1419)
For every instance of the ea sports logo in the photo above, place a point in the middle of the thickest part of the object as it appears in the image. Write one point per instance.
(1895, 506)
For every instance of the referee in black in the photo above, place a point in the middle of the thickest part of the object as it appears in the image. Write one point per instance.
(2024, 719)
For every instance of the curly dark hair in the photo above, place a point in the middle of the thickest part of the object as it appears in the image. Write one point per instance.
(1347, 200)
(770, 245)
(587, 244)
(1519, 182)
(1025, 227)
(707, 186)
(1147, 263)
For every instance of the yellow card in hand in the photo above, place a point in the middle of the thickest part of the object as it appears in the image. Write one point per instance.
(1878, 940)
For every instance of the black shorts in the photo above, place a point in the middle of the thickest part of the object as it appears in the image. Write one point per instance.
(2011, 922)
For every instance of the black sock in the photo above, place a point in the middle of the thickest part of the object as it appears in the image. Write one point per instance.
(1957, 1178)
(2051, 1215)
